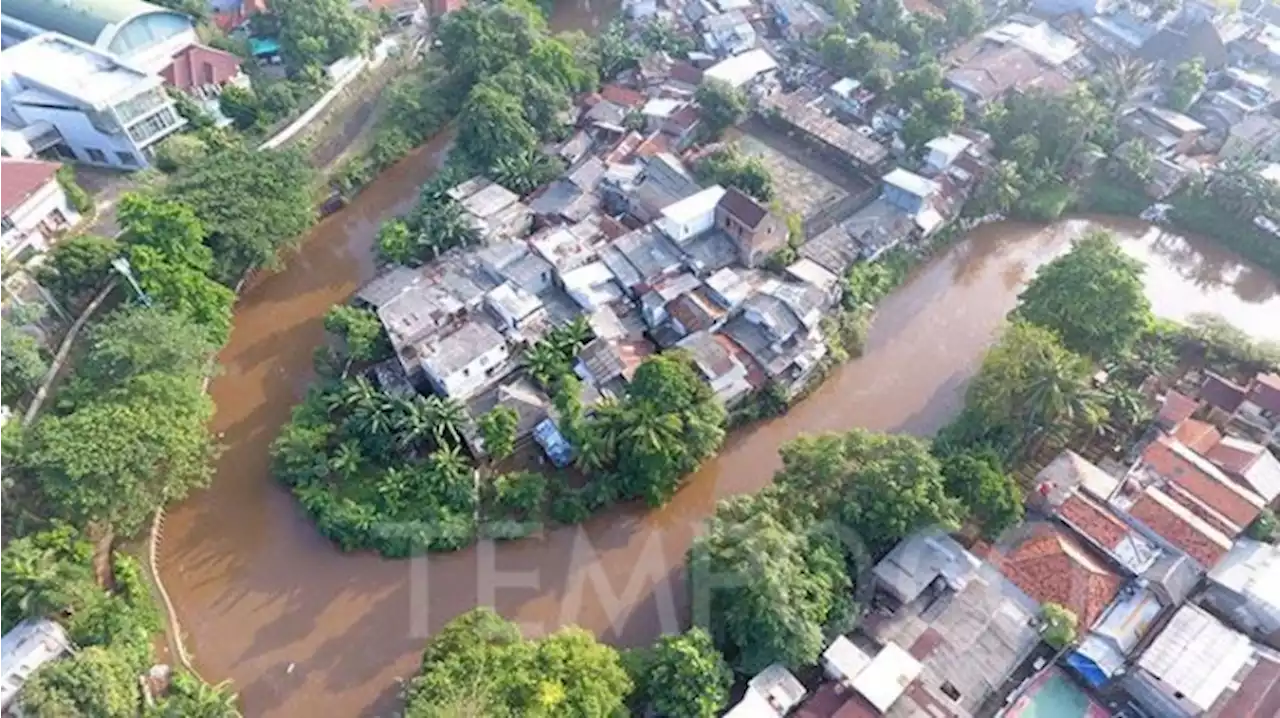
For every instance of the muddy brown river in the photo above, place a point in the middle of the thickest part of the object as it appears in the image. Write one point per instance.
(305, 630)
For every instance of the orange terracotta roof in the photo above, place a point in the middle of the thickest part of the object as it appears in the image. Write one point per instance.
(1052, 567)
(1200, 436)
(1180, 527)
(1199, 478)
(1176, 408)
(623, 96)
(1093, 521)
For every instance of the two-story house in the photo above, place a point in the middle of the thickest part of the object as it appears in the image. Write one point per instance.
(755, 230)
(88, 106)
(466, 361)
(35, 208)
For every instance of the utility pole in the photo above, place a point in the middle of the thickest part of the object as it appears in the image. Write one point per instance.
(121, 265)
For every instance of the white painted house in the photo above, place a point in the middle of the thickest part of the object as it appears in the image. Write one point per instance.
(463, 363)
(35, 208)
(89, 106)
(691, 216)
(144, 35)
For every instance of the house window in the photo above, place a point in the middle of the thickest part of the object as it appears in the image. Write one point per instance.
(153, 125)
(96, 155)
(8, 223)
(127, 158)
(207, 71)
(950, 690)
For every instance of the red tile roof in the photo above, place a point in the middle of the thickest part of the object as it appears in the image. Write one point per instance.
(623, 96)
(1052, 567)
(198, 65)
(1234, 457)
(1197, 539)
(1258, 694)
(23, 178)
(1176, 408)
(1197, 477)
(1094, 521)
(1200, 436)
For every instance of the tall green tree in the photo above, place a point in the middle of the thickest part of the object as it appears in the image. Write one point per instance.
(722, 105)
(166, 249)
(525, 172)
(46, 574)
(492, 126)
(977, 479)
(682, 676)
(1030, 382)
(360, 331)
(115, 459)
(1092, 297)
(731, 167)
(1186, 84)
(134, 341)
(78, 266)
(251, 204)
(479, 665)
(23, 365)
(770, 591)
(314, 33)
(94, 682)
(498, 427)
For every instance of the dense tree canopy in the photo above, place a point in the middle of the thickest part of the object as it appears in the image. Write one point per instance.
(479, 665)
(189, 697)
(172, 264)
(722, 107)
(250, 203)
(992, 497)
(77, 266)
(668, 423)
(1092, 297)
(882, 487)
(769, 590)
(360, 331)
(93, 682)
(498, 428)
(24, 363)
(681, 676)
(317, 32)
(133, 434)
(731, 167)
(1032, 384)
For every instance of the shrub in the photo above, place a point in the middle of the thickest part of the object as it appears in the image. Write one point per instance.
(76, 195)
(180, 151)
(1059, 628)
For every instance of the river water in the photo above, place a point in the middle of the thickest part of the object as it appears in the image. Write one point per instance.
(304, 630)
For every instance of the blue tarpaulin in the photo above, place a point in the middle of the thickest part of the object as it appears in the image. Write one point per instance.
(558, 449)
(1087, 669)
(264, 46)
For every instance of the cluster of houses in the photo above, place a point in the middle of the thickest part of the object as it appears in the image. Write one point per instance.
(1178, 612)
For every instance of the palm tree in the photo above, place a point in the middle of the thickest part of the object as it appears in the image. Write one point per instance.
(448, 417)
(1059, 400)
(545, 362)
(376, 418)
(40, 584)
(1004, 186)
(415, 421)
(574, 335)
(352, 396)
(595, 449)
(190, 697)
(393, 487)
(524, 172)
(346, 460)
(444, 227)
(1125, 406)
(1121, 79)
(652, 431)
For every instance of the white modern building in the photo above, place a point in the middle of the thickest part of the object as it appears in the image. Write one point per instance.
(27, 646)
(35, 208)
(61, 94)
(144, 35)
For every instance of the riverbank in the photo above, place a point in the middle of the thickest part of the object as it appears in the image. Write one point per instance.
(260, 591)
